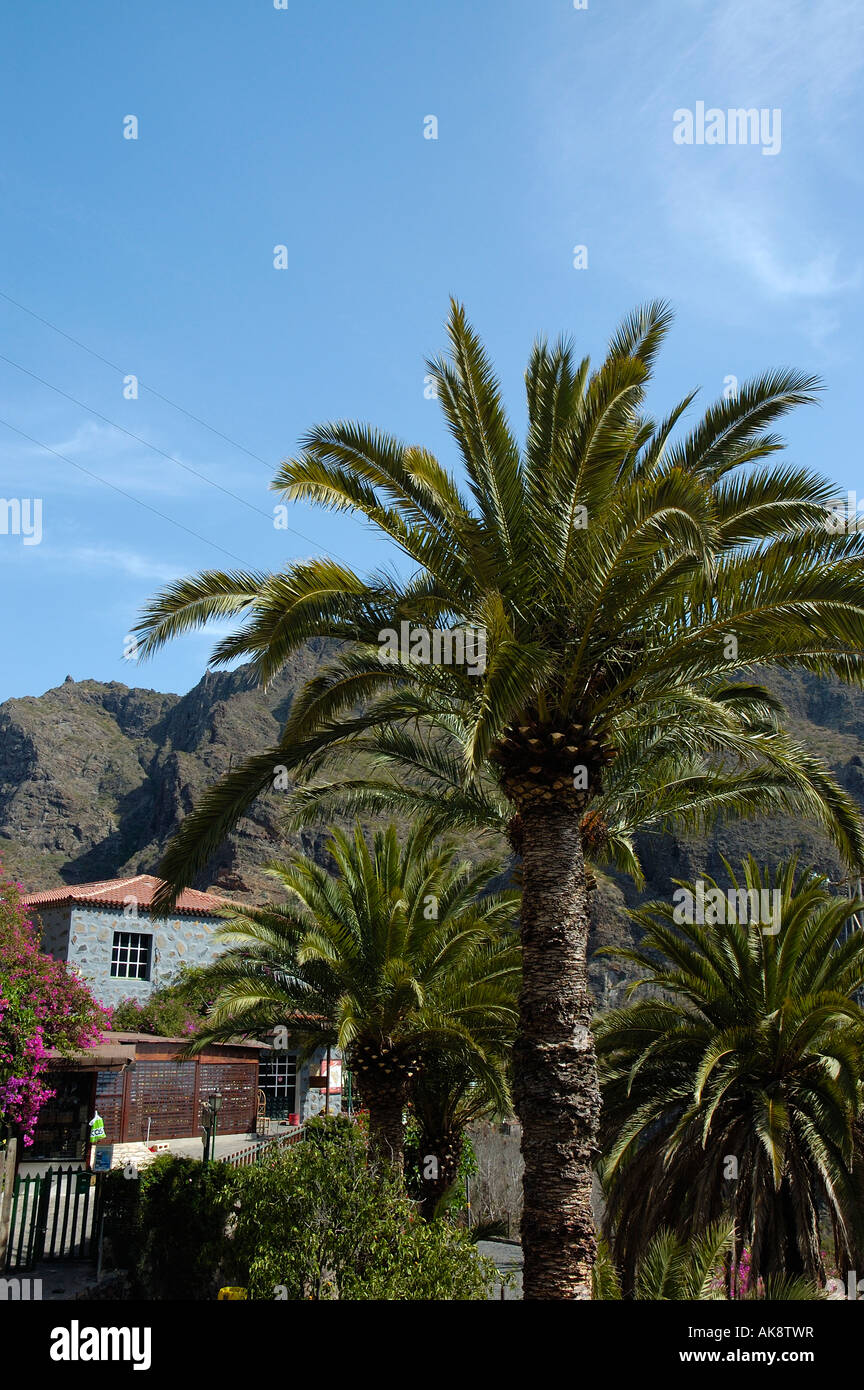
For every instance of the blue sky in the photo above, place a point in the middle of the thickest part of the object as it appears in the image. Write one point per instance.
(304, 127)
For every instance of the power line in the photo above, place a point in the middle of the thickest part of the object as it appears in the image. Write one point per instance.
(171, 457)
(123, 493)
(140, 439)
(153, 392)
(106, 361)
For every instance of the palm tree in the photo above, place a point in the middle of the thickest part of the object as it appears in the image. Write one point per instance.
(674, 1270)
(734, 1093)
(396, 953)
(628, 583)
(446, 1097)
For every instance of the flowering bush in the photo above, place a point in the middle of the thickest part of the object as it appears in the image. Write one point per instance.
(743, 1275)
(43, 1005)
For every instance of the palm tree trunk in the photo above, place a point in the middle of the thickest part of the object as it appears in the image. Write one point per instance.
(385, 1101)
(792, 1261)
(446, 1149)
(555, 1070)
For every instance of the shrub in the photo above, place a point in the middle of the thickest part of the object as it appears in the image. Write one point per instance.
(121, 1211)
(315, 1221)
(169, 1227)
(319, 1221)
(173, 1011)
(672, 1268)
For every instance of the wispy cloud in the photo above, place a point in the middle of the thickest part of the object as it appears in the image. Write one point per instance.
(816, 277)
(126, 463)
(751, 234)
(92, 440)
(93, 559)
(125, 561)
(772, 223)
(787, 48)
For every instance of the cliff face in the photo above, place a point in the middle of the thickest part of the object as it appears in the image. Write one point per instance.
(95, 779)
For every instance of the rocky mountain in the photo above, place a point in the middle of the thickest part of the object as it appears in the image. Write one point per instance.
(95, 778)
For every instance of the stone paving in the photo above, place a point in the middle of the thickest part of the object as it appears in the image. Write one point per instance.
(507, 1256)
(62, 1280)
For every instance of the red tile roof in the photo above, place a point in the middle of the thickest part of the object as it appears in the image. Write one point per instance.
(115, 892)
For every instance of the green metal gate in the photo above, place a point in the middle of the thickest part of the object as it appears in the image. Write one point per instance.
(55, 1216)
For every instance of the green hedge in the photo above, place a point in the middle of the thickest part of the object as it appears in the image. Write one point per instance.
(169, 1227)
(318, 1221)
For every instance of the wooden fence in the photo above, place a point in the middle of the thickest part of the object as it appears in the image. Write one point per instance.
(253, 1153)
(54, 1217)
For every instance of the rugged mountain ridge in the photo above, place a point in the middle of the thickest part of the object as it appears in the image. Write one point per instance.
(95, 778)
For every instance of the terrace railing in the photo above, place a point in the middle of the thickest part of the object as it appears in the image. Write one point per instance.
(253, 1153)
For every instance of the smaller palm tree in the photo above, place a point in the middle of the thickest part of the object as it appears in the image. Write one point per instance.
(733, 1092)
(448, 1094)
(392, 954)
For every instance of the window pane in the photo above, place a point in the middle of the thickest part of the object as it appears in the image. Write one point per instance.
(277, 1077)
(130, 956)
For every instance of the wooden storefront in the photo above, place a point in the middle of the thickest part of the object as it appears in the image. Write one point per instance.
(147, 1091)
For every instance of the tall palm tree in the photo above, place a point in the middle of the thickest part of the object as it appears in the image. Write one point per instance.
(734, 1092)
(397, 952)
(629, 579)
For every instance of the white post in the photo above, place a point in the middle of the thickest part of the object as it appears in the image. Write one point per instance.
(8, 1156)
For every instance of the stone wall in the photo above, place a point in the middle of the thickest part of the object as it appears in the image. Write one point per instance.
(55, 929)
(177, 941)
(311, 1102)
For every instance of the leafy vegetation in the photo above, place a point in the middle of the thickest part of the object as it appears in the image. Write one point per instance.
(318, 1221)
(733, 1091)
(672, 1269)
(173, 1010)
(314, 1221)
(168, 1227)
(43, 1005)
(401, 956)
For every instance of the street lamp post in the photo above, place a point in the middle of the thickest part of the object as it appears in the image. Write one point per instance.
(210, 1108)
(215, 1104)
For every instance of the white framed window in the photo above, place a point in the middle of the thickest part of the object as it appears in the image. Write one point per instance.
(277, 1077)
(130, 955)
